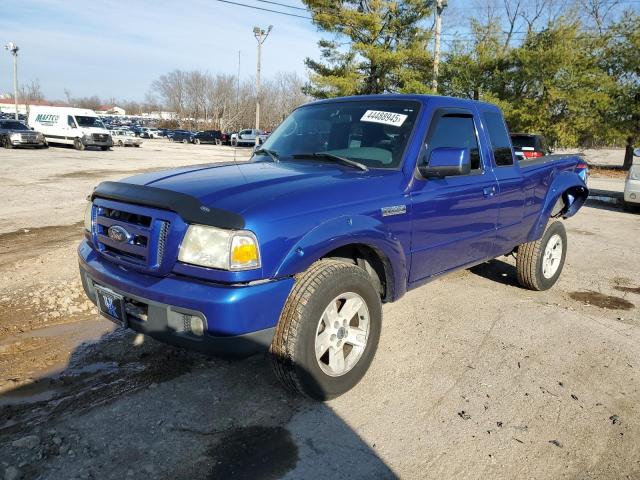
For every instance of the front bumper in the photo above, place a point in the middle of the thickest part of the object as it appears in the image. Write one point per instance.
(239, 320)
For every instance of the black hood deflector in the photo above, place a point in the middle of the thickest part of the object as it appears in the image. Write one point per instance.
(188, 207)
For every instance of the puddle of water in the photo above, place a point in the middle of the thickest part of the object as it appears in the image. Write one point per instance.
(600, 300)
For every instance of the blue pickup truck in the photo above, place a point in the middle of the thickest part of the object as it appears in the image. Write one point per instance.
(350, 203)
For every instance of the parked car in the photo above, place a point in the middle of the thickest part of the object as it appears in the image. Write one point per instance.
(245, 137)
(225, 137)
(183, 136)
(207, 136)
(125, 138)
(530, 145)
(364, 198)
(16, 134)
(150, 133)
(632, 186)
(70, 126)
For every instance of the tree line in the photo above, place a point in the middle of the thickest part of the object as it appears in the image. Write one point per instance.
(203, 100)
(569, 70)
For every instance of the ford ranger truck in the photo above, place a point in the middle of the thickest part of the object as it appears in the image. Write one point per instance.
(350, 203)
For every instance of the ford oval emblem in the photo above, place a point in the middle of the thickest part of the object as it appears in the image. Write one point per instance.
(118, 234)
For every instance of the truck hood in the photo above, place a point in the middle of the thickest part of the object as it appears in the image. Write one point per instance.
(251, 187)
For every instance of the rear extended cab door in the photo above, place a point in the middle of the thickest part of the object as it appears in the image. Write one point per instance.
(454, 218)
(511, 194)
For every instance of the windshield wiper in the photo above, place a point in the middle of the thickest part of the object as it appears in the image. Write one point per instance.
(331, 156)
(271, 153)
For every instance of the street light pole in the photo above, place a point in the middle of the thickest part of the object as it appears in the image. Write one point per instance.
(440, 4)
(261, 36)
(13, 48)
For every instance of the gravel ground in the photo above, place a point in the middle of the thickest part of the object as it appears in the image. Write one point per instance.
(474, 377)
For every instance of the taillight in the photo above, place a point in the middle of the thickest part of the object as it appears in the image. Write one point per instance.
(582, 169)
(529, 154)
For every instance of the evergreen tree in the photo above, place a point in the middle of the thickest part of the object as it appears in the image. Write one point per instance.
(386, 48)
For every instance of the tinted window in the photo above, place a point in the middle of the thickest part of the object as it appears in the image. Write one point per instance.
(71, 122)
(520, 141)
(500, 143)
(455, 131)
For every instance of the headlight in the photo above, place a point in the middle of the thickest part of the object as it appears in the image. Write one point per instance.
(219, 248)
(15, 136)
(88, 217)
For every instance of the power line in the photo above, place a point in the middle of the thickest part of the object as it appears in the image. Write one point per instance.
(264, 9)
(285, 5)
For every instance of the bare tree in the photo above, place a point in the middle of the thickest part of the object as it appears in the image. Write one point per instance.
(599, 11)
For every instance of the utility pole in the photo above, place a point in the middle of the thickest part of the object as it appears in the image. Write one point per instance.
(261, 36)
(13, 48)
(440, 5)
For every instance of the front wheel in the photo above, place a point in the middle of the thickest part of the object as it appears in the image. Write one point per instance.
(196, 141)
(328, 331)
(7, 143)
(78, 145)
(540, 263)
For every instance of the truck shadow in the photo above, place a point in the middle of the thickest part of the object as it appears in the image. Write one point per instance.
(128, 405)
(497, 271)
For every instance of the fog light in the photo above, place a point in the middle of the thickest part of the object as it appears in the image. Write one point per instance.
(194, 325)
(633, 196)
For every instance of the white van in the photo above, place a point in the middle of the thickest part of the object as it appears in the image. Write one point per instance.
(72, 126)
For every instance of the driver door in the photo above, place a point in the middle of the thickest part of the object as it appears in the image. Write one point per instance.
(454, 218)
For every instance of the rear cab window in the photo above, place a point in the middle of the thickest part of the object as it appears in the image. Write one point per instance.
(499, 138)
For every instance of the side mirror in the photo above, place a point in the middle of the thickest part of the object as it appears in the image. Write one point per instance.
(446, 162)
(636, 152)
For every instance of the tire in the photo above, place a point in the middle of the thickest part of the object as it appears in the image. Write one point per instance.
(185, 141)
(78, 145)
(196, 141)
(171, 139)
(539, 264)
(7, 143)
(120, 143)
(234, 143)
(136, 145)
(104, 149)
(303, 322)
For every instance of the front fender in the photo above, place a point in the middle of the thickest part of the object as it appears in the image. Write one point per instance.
(566, 195)
(348, 230)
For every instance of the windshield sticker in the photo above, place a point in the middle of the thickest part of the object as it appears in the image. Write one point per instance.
(386, 118)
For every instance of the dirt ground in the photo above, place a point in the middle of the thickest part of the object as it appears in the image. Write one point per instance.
(474, 378)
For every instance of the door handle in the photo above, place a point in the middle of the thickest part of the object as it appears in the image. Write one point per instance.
(489, 191)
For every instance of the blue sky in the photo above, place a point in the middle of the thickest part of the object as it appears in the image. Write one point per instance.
(116, 48)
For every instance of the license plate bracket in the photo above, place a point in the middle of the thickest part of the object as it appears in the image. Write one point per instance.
(111, 305)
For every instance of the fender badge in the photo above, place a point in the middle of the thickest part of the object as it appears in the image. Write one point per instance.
(395, 210)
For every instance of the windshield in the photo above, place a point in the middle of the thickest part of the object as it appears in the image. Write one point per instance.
(89, 122)
(373, 132)
(13, 125)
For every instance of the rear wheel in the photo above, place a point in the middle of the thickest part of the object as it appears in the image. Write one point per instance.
(185, 141)
(78, 145)
(328, 331)
(540, 263)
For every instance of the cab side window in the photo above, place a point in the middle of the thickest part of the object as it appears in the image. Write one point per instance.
(500, 141)
(71, 122)
(455, 130)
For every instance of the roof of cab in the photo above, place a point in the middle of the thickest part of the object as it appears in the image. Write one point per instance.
(407, 96)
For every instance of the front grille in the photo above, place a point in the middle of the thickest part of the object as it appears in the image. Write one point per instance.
(28, 138)
(136, 239)
(100, 137)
